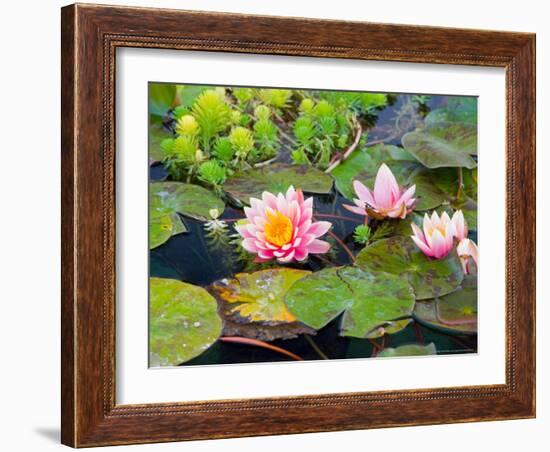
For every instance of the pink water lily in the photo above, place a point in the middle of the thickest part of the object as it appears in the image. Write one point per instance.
(386, 200)
(281, 227)
(466, 248)
(436, 238)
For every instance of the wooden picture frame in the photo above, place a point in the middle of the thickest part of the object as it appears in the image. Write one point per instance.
(90, 36)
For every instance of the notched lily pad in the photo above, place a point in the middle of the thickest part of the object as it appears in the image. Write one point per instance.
(188, 199)
(276, 178)
(183, 322)
(372, 303)
(408, 350)
(443, 144)
(157, 134)
(400, 256)
(453, 313)
(252, 304)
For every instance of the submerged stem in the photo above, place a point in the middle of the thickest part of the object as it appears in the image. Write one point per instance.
(315, 347)
(257, 343)
(343, 245)
(460, 184)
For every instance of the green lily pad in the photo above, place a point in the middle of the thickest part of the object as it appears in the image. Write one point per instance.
(161, 98)
(252, 304)
(363, 165)
(157, 134)
(458, 109)
(443, 144)
(162, 227)
(400, 256)
(371, 302)
(188, 199)
(259, 296)
(276, 178)
(454, 313)
(183, 322)
(408, 350)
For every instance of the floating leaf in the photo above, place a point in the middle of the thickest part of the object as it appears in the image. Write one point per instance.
(363, 165)
(400, 256)
(252, 304)
(276, 178)
(443, 144)
(157, 134)
(183, 321)
(188, 199)
(259, 296)
(452, 313)
(408, 350)
(161, 98)
(458, 109)
(163, 224)
(370, 302)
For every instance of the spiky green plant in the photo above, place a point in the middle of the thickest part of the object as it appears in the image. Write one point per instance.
(323, 109)
(262, 112)
(212, 114)
(184, 148)
(304, 130)
(306, 106)
(212, 173)
(327, 125)
(242, 141)
(362, 234)
(243, 95)
(236, 117)
(266, 135)
(223, 149)
(276, 98)
(188, 126)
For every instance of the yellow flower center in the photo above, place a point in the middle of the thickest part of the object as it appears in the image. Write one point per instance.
(278, 229)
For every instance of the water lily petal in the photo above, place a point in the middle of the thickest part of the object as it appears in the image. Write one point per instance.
(355, 209)
(386, 189)
(318, 247)
(319, 228)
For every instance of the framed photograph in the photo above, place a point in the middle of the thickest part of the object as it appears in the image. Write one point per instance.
(280, 225)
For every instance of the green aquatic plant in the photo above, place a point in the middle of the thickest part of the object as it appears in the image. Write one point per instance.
(242, 141)
(320, 131)
(266, 135)
(243, 96)
(212, 173)
(223, 149)
(362, 234)
(187, 126)
(276, 98)
(213, 115)
(262, 112)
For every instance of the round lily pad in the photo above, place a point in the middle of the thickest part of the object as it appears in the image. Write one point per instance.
(443, 144)
(455, 313)
(408, 350)
(157, 134)
(371, 302)
(252, 304)
(259, 296)
(276, 178)
(400, 256)
(188, 199)
(183, 322)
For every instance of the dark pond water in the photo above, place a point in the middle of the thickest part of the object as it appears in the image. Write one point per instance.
(194, 258)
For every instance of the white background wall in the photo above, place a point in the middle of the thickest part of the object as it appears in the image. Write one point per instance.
(29, 226)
